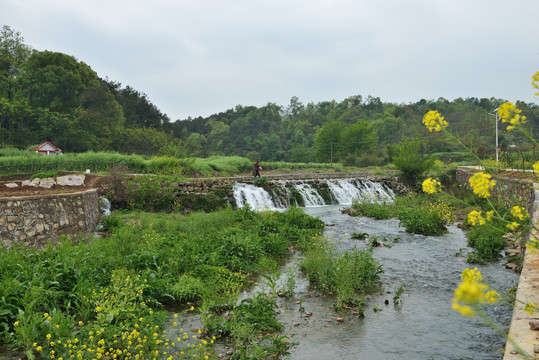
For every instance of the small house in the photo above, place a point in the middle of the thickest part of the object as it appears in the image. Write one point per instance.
(49, 149)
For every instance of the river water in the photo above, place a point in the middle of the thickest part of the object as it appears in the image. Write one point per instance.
(423, 327)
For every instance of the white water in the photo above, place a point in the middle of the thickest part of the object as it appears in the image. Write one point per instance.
(256, 197)
(310, 196)
(104, 206)
(343, 192)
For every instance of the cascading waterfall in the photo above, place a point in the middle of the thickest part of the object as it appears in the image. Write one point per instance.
(310, 196)
(342, 192)
(346, 191)
(256, 197)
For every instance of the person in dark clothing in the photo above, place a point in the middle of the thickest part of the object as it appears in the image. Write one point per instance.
(257, 170)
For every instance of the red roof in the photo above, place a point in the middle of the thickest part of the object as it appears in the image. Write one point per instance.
(46, 147)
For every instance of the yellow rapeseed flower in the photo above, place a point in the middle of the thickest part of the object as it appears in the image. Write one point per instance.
(519, 212)
(481, 184)
(469, 293)
(535, 82)
(471, 275)
(530, 307)
(508, 112)
(533, 246)
(430, 186)
(492, 297)
(475, 218)
(536, 167)
(513, 226)
(434, 121)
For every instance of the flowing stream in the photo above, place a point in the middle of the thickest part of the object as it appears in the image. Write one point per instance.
(424, 326)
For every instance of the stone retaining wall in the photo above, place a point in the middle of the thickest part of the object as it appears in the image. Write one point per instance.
(521, 191)
(33, 220)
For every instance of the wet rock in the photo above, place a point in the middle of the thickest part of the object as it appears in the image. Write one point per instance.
(512, 266)
(330, 224)
(512, 252)
(308, 314)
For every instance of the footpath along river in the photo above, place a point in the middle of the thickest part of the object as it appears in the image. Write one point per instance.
(424, 326)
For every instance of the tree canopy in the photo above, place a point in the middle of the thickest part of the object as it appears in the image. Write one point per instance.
(51, 96)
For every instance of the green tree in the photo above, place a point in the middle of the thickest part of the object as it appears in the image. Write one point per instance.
(56, 81)
(327, 141)
(408, 159)
(356, 139)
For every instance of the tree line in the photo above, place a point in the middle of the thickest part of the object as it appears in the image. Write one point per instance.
(51, 96)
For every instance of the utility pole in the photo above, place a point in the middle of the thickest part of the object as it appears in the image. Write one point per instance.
(331, 155)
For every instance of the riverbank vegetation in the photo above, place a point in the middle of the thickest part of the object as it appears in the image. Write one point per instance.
(103, 297)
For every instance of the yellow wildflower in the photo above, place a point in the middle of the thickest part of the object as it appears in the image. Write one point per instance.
(530, 308)
(430, 186)
(475, 218)
(48, 336)
(508, 112)
(513, 226)
(533, 246)
(470, 293)
(471, 275)
(536, 167)
(39, 348)
(490, 214)
(434, 121)
(192, 308)
(16, 323)
(519, 212)
(535, 82)
(492, 297)
(481, 184)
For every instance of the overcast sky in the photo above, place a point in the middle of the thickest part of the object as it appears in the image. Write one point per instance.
(200, 57)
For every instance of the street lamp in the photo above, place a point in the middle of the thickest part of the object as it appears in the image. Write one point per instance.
(495, 111)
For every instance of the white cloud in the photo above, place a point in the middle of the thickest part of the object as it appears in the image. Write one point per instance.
(200, 57)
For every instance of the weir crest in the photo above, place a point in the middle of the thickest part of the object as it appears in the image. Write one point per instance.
(282, 194)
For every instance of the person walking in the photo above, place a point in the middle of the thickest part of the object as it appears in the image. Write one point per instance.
(257, 170)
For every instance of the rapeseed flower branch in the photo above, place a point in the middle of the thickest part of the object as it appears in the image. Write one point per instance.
(475, 218)
(508, 112)
(430, 186)
(533, 246)
(481, 184)
(434, 121)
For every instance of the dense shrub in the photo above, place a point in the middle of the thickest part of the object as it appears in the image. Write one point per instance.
(487, 240)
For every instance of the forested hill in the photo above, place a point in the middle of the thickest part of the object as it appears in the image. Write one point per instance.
(355, 131)
(51, 96)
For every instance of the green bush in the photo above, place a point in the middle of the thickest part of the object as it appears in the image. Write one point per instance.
(377, 211)
(409, 161)
(421, 221)
(349, 275)
(45, 175)
(487, 240)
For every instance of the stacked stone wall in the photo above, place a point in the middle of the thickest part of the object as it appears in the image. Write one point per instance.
(521, 191)
(34, 220)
